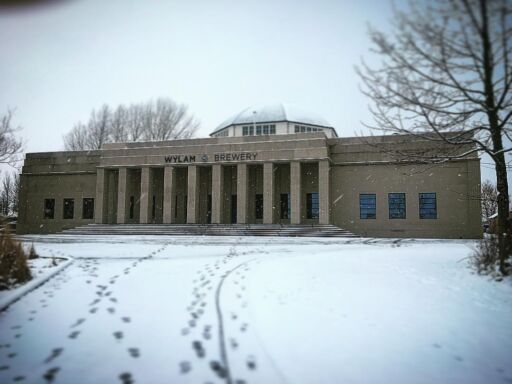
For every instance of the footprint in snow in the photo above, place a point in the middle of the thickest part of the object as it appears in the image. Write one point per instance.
(50, 374)
(56, 352)
(74, 334)
(134, 352)
(118, 335)
(185, 367)
(126, 319)
(78, 322)
(126, 378)
(199, 349)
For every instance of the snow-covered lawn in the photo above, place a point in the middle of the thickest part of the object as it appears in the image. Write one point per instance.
(258, 310)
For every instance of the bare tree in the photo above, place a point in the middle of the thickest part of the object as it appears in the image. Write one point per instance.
(446, 77)
(76, 139)
(489, 198)
(151, 121)
(10, 145)
(6, 195)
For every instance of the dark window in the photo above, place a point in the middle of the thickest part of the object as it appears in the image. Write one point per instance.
(88, 208)
(396, 202)
(297, 129)
(367, 206)
(428, 206)
(132, 207)
(258, 205)
(272, 129)
(258, 129)
(285, 205)
(245, 131)
(69, 209)
(265, 129)
(312, 209)
(153, 208)
(49, 208)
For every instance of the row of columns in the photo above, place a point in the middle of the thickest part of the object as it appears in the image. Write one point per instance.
(269, 195)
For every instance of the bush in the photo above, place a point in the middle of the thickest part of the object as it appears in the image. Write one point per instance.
(32, 254)
(486, 259)
(13, 262)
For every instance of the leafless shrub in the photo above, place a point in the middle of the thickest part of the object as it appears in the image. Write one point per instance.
(13, 262)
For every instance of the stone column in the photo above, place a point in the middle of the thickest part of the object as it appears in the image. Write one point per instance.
(146, 195)
(169, 194)
(295, 191)
(268, 193)
(192, 194)
(122, 192)
(324, 198)
(241, 193)
(100, 207)
(217, 193)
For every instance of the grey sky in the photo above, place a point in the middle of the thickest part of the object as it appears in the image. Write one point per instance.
(218, 57)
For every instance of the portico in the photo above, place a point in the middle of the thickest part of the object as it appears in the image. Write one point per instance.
(244, 181)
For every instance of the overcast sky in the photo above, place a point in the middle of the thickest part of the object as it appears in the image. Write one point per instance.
(218, 57)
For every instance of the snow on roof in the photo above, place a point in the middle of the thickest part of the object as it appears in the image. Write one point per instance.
(274, 112)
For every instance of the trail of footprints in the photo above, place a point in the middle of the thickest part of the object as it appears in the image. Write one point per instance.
(200, 332)
(103, 293)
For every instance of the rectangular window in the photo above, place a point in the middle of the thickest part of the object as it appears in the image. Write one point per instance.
(245, 131)
(367, 206)
(258, 205)
(258, 129)
(69, 209)
(312, 208)
(396, 202)
(303, 129)
(49, 208)
(265, 129)
(308, 129)
(132, 207)
(251, 131)
(285, 205)
(297, 129)
(272, 129)
(88, 208)
(428, 206)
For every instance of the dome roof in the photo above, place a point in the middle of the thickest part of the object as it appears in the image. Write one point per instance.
(272, 113)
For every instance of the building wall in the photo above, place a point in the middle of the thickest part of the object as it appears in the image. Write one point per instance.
(356, 167)
(456, 185)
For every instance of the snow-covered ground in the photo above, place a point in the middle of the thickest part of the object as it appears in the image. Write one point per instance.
(258, 310)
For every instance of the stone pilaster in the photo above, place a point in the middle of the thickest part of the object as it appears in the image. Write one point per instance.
(192, 194)
(295, 192)
(100, 207)
(122, 192)
(268, 193)
(169, 194)
(241, 193)
(217, 193)
(324, 198)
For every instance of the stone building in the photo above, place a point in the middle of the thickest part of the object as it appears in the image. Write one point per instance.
(266, 165)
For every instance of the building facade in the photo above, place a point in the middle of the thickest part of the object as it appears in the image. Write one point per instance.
(255, 173)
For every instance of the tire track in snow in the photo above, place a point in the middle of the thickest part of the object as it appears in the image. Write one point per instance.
(220, 319)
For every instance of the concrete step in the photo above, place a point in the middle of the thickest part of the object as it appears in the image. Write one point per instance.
(321, 230)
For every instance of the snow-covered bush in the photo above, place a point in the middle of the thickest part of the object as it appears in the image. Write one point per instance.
(13, 262)
(486, 259)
